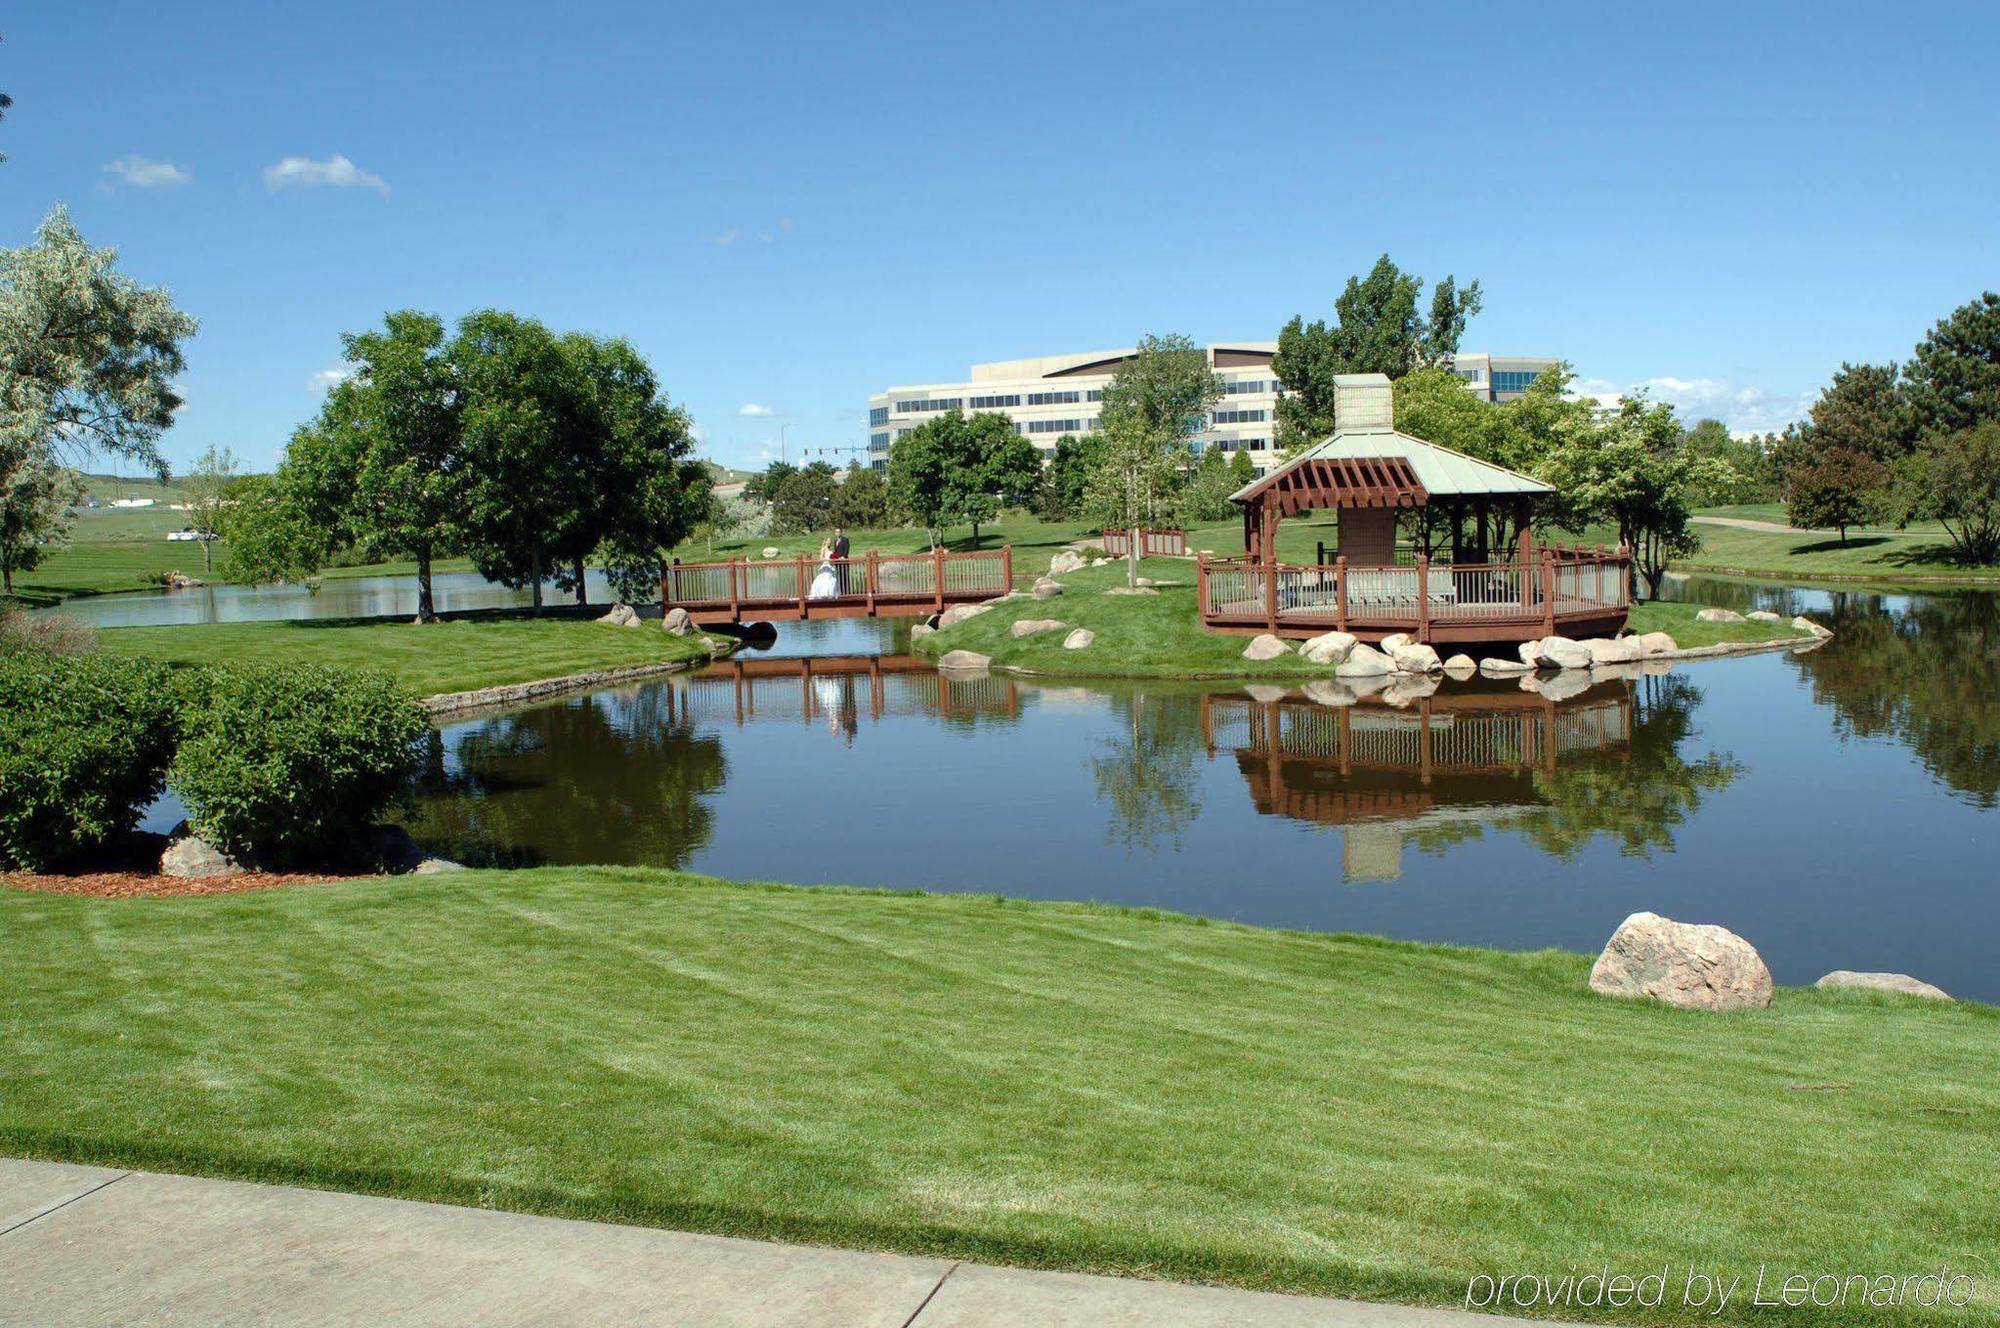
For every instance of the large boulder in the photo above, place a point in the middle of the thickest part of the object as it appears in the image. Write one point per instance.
(1081, 639)
(1503, 668)
(1025, 627)
(1394, 642)
(770, 551)
(918, 631)
(1460, 667)
(1718, 615)
(1897, 982)
(1692, 965)
(1045, 588)
(1654, 644)
(958, 613)
(1365, 661)
(1805, 624)
(1266, 646)
(965, 660)
(1764, 615)
(621, 615)
(1560, 652)
(1415, 657)
(1622, 650)
(1065, 562)
(194, 859)
(1330, 648)
(1131, 590)
(1530, 653)
(678, 622)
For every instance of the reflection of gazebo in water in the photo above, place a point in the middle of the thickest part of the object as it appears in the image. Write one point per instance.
(838, 691)
(1487, 582)
(1378, 772)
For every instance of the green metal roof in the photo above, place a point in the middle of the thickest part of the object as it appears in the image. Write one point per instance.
(1442, 472)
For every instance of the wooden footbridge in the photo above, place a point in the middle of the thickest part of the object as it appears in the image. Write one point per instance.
(873, 585)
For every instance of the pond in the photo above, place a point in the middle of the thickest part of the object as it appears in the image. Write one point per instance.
(1837, 807)
(334, 597)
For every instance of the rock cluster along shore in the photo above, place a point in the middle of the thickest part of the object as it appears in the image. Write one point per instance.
(1700, 966)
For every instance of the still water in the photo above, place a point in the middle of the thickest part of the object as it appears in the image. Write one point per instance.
(1837, 807)
(335, 597)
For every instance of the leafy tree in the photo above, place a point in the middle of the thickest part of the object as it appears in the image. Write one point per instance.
(764, 486)
(1954, 479)
(210, 487)
(862, 501)
(529, 467)
(1205, 497)
(1154, 402)
(1864, 411)
(1954, 374)
(1241, 470)
(1376, 329)
(381, 464)
(920, 470)
(999, 466)
(651, 489)
(1839, 488)
(1711, 438)
(1636, 474)
(89, 355)
(1069, 475)
(36, 494)
(719, 516)
(805, 500)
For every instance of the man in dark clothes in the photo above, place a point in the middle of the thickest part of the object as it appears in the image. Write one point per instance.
(840, 558)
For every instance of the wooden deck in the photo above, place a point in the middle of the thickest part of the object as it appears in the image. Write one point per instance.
(745, 590)
(1574, 592)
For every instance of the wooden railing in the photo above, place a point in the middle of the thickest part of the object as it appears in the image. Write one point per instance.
(1152, 543)
(1514, 600)
(870, 585)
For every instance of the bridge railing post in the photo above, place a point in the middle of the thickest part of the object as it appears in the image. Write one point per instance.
(802, 585)
(937, 575)
(735, 599)
(873, 572)
(1006, 568)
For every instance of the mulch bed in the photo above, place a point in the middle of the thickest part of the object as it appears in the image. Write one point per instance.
(131, 870)
(152, 885)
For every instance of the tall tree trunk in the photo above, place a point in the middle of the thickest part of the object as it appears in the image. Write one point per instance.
(535, 570)
(425, 610)
(205, 539)
(582, 590)
(1131, 528)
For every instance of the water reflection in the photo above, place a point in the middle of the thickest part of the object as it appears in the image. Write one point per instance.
(836, 692)
(1437, 770)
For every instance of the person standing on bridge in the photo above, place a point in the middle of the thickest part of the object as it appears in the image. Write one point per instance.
(840, 559)
(826, 582)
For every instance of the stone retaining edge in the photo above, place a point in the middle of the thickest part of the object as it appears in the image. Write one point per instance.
(513, 693)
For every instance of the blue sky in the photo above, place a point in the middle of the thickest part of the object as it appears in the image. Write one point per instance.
(790, 207)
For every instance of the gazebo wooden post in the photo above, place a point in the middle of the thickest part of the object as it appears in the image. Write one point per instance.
(1340, 592)
(1423, 597)
(1548, 593)
(1201, 584)
(1525, 565)
(1271, 595)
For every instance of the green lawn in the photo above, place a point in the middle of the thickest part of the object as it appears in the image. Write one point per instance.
(1040, 1084)
(459, 654)
(113, 551)
(1876, 555)
(1679, 622)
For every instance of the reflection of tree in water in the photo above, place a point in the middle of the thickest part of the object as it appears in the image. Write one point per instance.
(1639, 795)
(611, 778)
(1149, 773)
(1922, 675)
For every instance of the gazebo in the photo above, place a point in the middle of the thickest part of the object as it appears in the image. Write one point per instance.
(1490, 582)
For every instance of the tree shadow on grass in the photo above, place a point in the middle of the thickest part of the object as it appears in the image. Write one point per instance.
(1839, 545)
(525, 613)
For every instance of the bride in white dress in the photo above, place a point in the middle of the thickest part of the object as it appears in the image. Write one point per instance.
(825, 584)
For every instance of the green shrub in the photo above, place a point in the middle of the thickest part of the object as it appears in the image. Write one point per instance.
(84, 744)
(287, 763)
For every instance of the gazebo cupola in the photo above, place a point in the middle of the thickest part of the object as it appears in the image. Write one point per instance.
(1370, 474)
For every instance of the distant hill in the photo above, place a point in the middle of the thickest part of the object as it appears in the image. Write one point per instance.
(104, 489)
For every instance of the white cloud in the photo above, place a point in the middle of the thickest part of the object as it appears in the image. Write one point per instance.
(327, 379)
(142, 173)
(336, 171)
(1744, 407)
(755, 411)
(726, 238)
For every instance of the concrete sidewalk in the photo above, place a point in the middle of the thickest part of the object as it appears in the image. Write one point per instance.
(87, 1245)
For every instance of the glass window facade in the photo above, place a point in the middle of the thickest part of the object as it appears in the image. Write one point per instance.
(878, 442)
(935, 403)
(1054, 398)
(996, 403)
(1057, 426)
(1512, 380)
(1241, 416)
(877, 416)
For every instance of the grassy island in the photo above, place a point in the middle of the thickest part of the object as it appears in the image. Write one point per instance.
(1056, 1085)
(1160, 635)
(463, 652)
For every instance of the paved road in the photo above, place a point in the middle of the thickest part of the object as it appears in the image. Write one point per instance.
(90, 1246)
